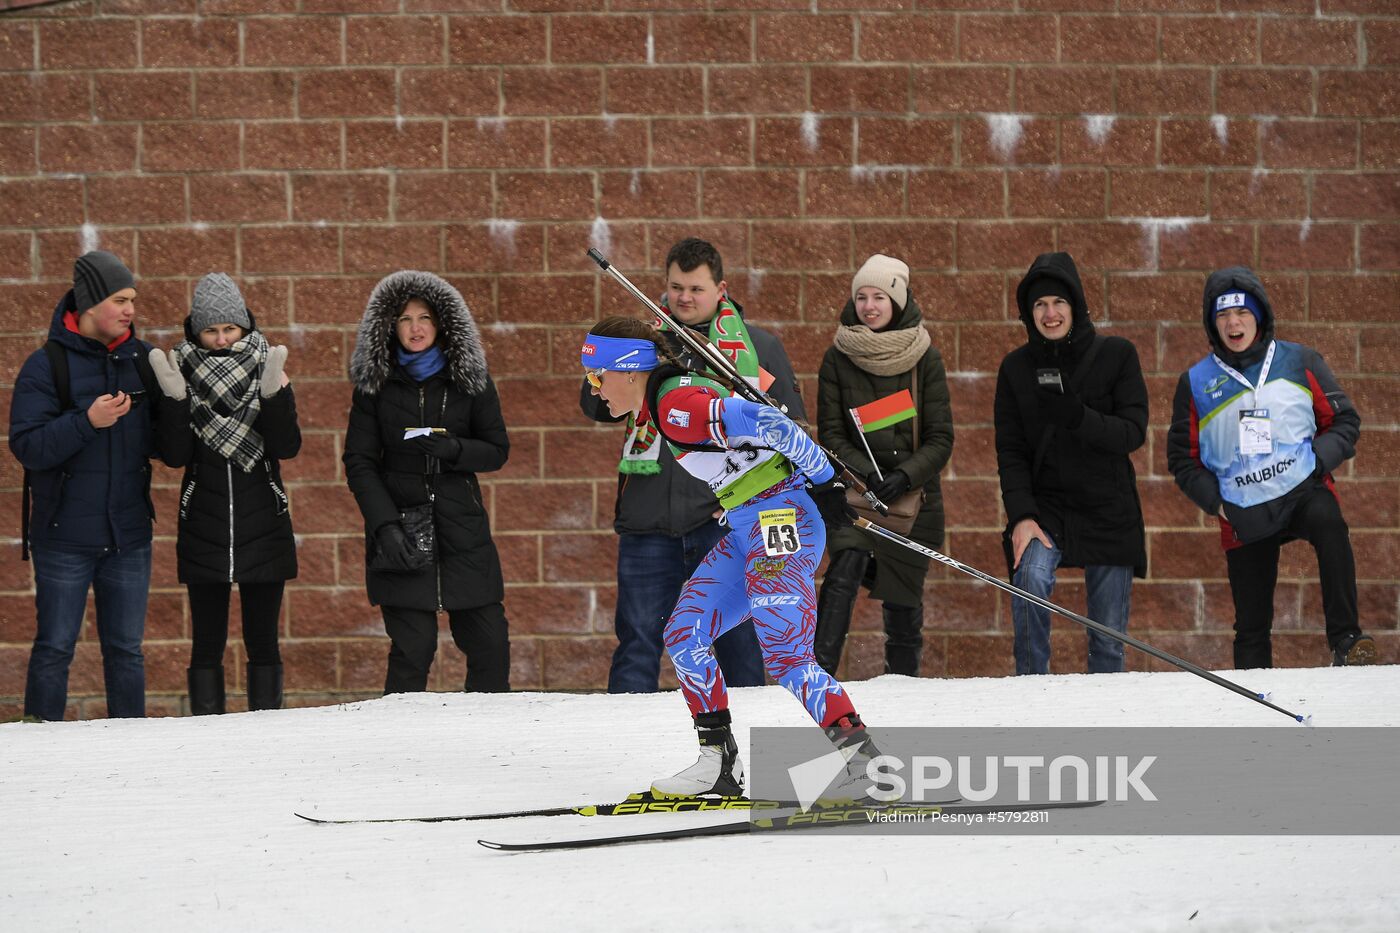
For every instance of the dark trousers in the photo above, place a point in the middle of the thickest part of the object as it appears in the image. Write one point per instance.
(261, 605)
(1317, 519)
(904, 640)
(481, 633)
(119, 581)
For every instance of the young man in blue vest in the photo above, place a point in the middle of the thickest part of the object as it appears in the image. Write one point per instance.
(1258, 426)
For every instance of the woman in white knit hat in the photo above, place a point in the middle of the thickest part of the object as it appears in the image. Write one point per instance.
(235, 526)
(881, 350)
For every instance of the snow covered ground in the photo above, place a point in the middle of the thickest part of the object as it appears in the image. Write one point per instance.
(183, 824)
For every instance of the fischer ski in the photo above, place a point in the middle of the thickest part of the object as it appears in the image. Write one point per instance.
(644, 802)
(822, 817)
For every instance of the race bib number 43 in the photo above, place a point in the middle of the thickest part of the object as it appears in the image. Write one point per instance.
(779, 530)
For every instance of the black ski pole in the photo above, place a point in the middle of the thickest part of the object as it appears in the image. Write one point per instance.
(1072, 616)
(724, 367)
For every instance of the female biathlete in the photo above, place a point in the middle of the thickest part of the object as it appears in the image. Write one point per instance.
(759, 464)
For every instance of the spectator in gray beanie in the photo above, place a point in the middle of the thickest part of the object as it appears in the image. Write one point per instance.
(238, 423)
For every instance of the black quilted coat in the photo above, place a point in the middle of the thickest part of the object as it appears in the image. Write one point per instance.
(387, 473)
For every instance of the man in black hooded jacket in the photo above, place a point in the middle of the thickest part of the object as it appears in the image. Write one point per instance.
(1258, 426)
(1071, 406)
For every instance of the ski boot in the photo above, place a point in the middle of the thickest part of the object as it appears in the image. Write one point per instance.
(855, 745)
(718, 771)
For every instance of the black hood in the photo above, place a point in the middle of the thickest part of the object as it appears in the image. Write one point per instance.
(458, 336)
(1237, 279)
(1058, 266)
(904, 318)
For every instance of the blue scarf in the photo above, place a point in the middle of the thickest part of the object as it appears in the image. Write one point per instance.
(422, 365)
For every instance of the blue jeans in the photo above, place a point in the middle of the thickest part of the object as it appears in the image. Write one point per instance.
(120, 581)
(651, 569)
(1109, 593)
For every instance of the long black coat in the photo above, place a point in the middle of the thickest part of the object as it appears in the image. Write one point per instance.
(1084, 494)
(235, 527)
(387, 473)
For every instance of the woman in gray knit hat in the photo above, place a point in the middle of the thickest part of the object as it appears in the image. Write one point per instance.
(235, 526)
(882, 350)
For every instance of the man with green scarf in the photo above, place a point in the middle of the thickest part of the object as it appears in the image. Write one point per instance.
(667, 518)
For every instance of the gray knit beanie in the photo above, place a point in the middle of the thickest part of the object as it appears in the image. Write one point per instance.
(97, 276)
(218, 301)
(886, 273)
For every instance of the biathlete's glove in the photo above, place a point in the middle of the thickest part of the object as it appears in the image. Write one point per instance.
(444, 447)
(830, 498)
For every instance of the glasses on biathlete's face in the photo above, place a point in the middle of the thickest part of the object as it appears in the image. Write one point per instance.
(594, 377)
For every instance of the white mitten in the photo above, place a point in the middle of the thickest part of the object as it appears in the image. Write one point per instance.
(167, 372)
(273, 378)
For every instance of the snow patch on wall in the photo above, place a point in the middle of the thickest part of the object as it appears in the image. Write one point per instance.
(1221, 124)
(87, 238)
(756, 281)
(872, 171)
(1098, 126)
(810, 124)
(1152, 229)
(634, 186)
(600, 236)
(496, 124)
(502, 233)
(1004, 131)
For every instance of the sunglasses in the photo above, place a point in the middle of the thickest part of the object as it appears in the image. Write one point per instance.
(594, 377)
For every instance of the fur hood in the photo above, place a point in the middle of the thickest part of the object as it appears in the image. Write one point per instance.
(458, 336)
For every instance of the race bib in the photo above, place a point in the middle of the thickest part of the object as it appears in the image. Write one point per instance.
(779, 530)
(1256, 434)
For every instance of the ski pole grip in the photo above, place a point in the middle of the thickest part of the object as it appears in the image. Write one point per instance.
(597, 257)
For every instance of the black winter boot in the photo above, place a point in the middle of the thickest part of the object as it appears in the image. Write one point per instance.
(206, 690)
(264, 686)
(904, 639)
(835, 603)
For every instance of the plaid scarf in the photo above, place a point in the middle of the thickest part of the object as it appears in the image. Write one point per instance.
(226, 397)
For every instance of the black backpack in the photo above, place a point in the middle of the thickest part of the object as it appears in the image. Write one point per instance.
(62, 383)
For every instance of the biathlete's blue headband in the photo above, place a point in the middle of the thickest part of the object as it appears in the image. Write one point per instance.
(618, 353)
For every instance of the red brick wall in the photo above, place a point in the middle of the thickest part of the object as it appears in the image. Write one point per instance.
(310, 146)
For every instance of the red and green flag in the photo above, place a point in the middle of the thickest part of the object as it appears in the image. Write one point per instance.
(885, 412)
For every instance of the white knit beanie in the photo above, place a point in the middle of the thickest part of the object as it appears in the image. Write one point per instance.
(887, 274)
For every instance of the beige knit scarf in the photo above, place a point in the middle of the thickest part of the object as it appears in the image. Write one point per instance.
(887, 353)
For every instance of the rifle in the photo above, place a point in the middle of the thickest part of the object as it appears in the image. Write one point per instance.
(723, 367)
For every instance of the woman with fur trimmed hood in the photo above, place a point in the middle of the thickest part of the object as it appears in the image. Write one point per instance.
(424, 420)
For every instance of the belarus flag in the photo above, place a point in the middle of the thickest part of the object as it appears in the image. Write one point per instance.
(884, 412)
